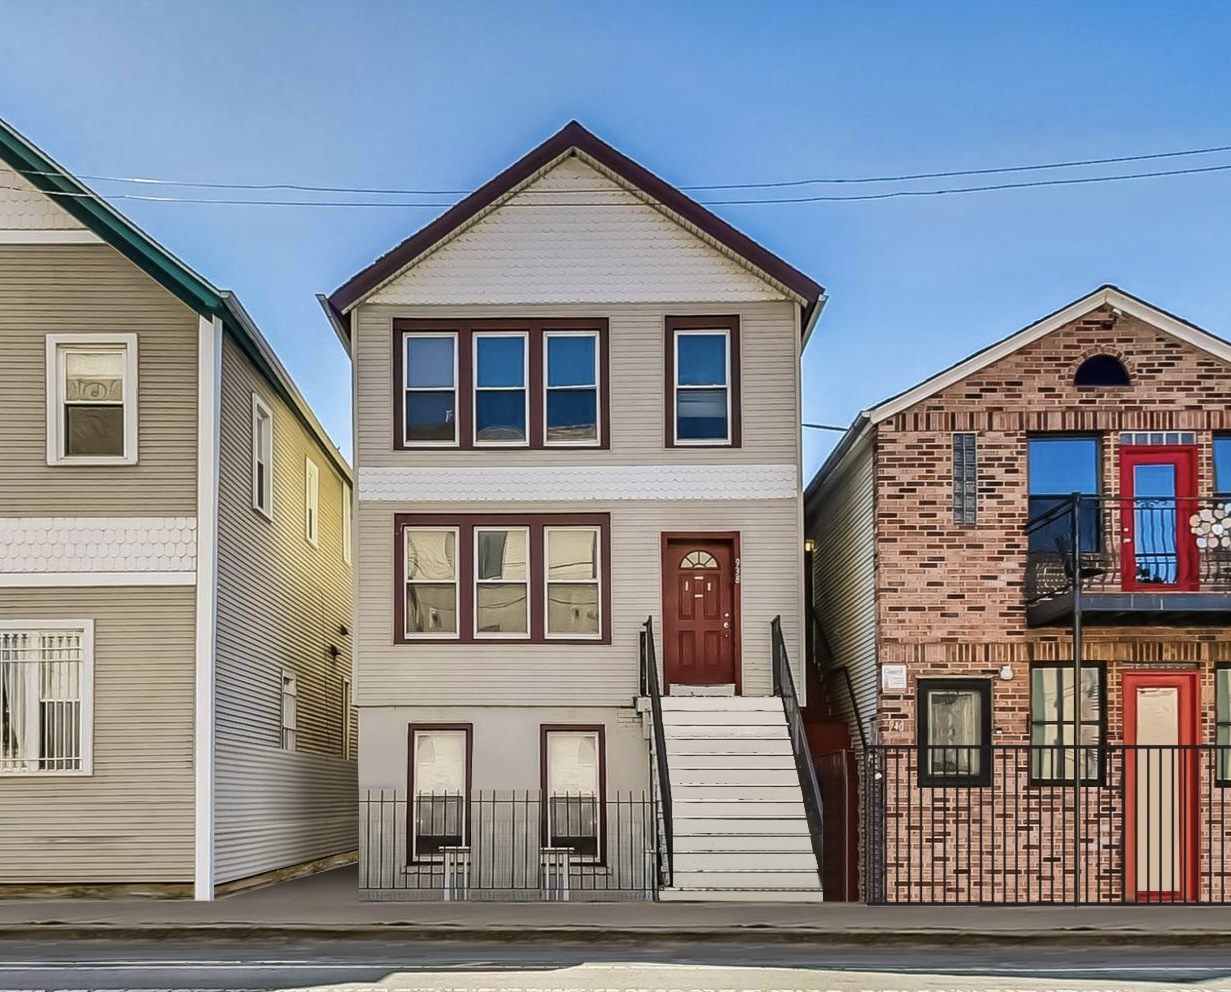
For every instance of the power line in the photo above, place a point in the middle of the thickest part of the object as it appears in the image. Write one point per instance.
(1033, 184)
(825, 427)
(779, 184)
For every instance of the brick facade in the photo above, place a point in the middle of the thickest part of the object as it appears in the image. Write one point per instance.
(950, 603)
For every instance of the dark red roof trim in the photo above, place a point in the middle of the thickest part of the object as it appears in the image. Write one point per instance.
(573, 135)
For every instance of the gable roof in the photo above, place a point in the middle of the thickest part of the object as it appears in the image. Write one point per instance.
(1107, 295)
(572, 139)
(189, 287)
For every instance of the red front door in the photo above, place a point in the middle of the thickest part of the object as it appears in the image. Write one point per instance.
(699, 621)
(1161, 781)
(1158, 488)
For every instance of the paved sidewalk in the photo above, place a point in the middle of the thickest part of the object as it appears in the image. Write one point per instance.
(328, 904)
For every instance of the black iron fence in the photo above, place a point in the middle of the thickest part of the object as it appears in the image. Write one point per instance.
(1139, 544)
(661, 770)
(507, 846)
(1154, 825)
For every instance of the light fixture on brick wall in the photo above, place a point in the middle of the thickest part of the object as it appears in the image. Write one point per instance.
(1006, 673)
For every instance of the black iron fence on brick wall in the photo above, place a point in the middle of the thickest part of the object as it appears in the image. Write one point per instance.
(1154, 824)
(507, 846)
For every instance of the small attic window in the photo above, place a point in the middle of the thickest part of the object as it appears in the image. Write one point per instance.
(1102, 370)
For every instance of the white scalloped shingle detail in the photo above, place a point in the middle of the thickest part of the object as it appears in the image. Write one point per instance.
(595, 482)
(27, 209)
(98, 544)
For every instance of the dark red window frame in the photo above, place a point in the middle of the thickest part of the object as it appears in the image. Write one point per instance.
(576, 728)
(535, 330)
(411, 730)
(465, 524)
(728, 323)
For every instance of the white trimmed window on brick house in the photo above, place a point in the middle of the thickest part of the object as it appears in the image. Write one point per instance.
(91, 399)
(46, 697)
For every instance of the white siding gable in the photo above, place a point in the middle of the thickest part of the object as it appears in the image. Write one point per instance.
(606, 246)
(24, 208)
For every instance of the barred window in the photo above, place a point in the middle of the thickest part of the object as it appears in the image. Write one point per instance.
(46, 684)
(965, 480)
(1051, 721)
(573, 771)
(440, 786)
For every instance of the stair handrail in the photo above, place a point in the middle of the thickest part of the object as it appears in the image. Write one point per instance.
(650, 687)
(784, 687)
(821, 641)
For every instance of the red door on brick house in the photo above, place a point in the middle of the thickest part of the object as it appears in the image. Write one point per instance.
(1158, 489)
(1161, 785)
(700, 625)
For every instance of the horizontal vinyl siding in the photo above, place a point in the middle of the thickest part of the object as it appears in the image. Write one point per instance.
(844, 587)
(46, 289)
(281, 604)
(281, 808)
(132, 820)
(602, 675)
(768, 360)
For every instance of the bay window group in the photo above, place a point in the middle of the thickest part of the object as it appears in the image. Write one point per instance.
(503, 577)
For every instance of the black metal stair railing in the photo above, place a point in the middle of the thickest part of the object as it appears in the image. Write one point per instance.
(650, 687)
(784, 688)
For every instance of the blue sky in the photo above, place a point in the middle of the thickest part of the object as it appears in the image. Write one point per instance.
(435, 95)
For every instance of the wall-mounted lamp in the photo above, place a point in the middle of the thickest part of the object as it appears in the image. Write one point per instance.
(334, 652)
(343, 630)
(1006, 673)
(809, 545)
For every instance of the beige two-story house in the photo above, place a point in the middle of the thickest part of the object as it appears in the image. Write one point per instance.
(579, 516)
(175, 694)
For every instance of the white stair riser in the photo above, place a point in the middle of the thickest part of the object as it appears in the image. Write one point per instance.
(746, 879)
(709, 718)
(739, 895)
(745, 794)
(749, 861)
(749, 778)
(731, 762)
(726, 843)
(742, 810)
(684, 750)
(694, 732)
(723, 704)
(734, 826)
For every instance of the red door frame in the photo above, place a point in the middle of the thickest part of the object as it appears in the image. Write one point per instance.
(1187, 781)
(730, 537)
(1184, 458)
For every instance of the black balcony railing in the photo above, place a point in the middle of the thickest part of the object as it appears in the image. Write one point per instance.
(1129, 545)
(1155, 825)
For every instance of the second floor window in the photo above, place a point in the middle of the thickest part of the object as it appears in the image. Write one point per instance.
(262, 457)
(1222, 465)
(965, 480)
(312, 502)
(92, 399)
(500, 383)
(702, 387)
(469, 578)
(1057, 467)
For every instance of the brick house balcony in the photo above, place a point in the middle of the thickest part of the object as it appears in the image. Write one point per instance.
(1161, 560)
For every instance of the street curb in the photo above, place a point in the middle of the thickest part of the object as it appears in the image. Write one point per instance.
(747, 934)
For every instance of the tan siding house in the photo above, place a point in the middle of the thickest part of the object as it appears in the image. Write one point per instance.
(577, 408)
(148, 625)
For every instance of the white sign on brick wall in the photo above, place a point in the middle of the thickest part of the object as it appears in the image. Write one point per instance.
(893, 677)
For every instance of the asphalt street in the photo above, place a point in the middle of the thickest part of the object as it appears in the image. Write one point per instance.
(644, 967)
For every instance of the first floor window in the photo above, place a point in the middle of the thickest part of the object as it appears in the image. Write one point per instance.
(573, 582)
(440, 774)
(92, 399)
(1052, 709)
(955, 731)
(502, 581)
(46, 685)
(348, 720)
(1222, 722)
(574, 761)
(290, 711)
(430, 568)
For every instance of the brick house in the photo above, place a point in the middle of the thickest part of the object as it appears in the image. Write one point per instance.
(945, 530)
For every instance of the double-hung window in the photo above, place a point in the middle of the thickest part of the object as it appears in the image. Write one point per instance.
(955, 732)
(290, 711)
(439, 789)
(491, 383)
(1052, 710)
(703, 404)
(504, 577)
(91, 399)
(571, 382)
(430, 388)
(502, 581)
(262, 457)
(501, 392)
(347, 525)
(312, 502)
(573, 770)
(46, 697)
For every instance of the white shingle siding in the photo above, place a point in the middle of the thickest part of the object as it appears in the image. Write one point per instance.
(24, 208)
(605, 482)
(592, 242)
(98, 544)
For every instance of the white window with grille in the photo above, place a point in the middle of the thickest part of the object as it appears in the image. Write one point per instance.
(91, 399)
(46, 697)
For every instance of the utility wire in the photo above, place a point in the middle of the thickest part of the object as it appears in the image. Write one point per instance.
(781, 184)
(825, 427)
(530, 202)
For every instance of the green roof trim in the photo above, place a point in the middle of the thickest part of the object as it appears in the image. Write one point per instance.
(192, 289)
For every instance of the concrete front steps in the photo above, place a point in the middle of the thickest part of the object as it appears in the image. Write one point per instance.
(738, 817)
